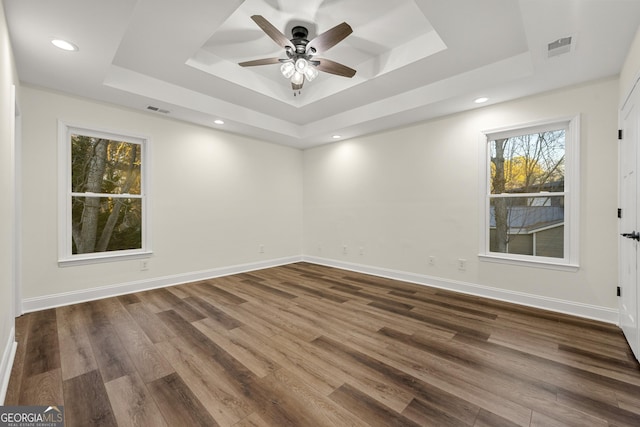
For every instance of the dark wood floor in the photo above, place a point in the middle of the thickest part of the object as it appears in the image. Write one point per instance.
(305, 345)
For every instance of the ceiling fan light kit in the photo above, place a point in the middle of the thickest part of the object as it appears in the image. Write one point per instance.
(300, 66)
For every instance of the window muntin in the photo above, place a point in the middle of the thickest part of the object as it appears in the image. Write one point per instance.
(529, 205)
(103, 202)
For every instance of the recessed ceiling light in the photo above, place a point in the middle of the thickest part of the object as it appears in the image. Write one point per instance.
(218, 122)
(336, 136)
(481, 100)
(64, 45)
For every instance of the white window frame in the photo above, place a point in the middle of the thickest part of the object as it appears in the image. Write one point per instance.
(65, 255)
(570, 261)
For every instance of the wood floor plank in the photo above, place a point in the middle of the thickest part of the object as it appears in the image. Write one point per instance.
(253, 420)
(368, 409)
(42, 354)
(464, 384)
(489, 419)
(306, 344)
(111, 356)
(149, 364)
(217, 354)
(598, 408)
(43, 389)
(439, 400)
(178, 404)
(129, 299)
(86, 401)
(132, 403)
(152, 326)
(300, 364)
(423, 413)
(249, 357)
(321, 410)
(213, 313)
(221, 396)
(217, 289)
(76, 354)
(243, 313)
(372, 382)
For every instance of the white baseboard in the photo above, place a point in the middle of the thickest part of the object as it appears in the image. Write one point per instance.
(68, 298)
(6, 363)
(588, 311)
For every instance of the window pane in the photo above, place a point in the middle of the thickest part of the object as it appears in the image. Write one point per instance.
(102, 224)
(527, 226)
(104, 166)
(530, 163)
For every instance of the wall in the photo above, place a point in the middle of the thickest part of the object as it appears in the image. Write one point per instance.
(215, 197)
(398, 197)
(8, 78)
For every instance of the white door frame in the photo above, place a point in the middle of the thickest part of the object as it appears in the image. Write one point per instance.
(629, 263)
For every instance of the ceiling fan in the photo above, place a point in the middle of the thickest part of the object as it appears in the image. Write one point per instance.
(300, 65)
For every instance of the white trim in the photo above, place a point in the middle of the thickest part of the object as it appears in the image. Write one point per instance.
(74, 297)
(6, 364)
(571, 194)
(538, 261)
(100, 257)
(65, 257)
(588, 311)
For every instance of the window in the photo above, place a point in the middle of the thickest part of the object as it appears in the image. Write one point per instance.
(530, 202)
(103, 202)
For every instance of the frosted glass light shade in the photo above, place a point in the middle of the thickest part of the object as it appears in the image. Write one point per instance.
(287, 69)
(301, 64)
(297, 78)
(310, 73)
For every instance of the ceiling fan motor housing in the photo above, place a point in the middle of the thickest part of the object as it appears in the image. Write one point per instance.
(299, 39)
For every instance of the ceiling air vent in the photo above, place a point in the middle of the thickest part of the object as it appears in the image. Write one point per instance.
(559, 47)
(157, 109)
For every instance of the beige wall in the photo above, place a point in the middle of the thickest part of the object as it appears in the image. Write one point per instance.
(408, 194)
(215, 197)
(7, 207)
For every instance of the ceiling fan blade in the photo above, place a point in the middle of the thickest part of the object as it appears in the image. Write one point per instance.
(336, 68)
(275, 34)
(264, 61)
(329, 38)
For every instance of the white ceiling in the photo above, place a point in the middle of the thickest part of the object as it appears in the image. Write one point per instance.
(416, 59)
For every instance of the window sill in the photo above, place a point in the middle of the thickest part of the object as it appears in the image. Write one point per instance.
(102, 258)
(552, 265)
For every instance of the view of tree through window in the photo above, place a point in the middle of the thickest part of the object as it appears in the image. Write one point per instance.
(527, 194)
(106, 195)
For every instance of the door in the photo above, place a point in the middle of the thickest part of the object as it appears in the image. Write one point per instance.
(629, 224)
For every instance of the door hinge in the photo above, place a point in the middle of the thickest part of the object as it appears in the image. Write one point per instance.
(618, 291)
(619, 133)
(619, 213)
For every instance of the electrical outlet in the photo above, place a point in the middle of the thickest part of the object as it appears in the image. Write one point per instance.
(144, 265)
(361, 250)
(261, 249)
(462, 264)
(432, 260)
(345, 250)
